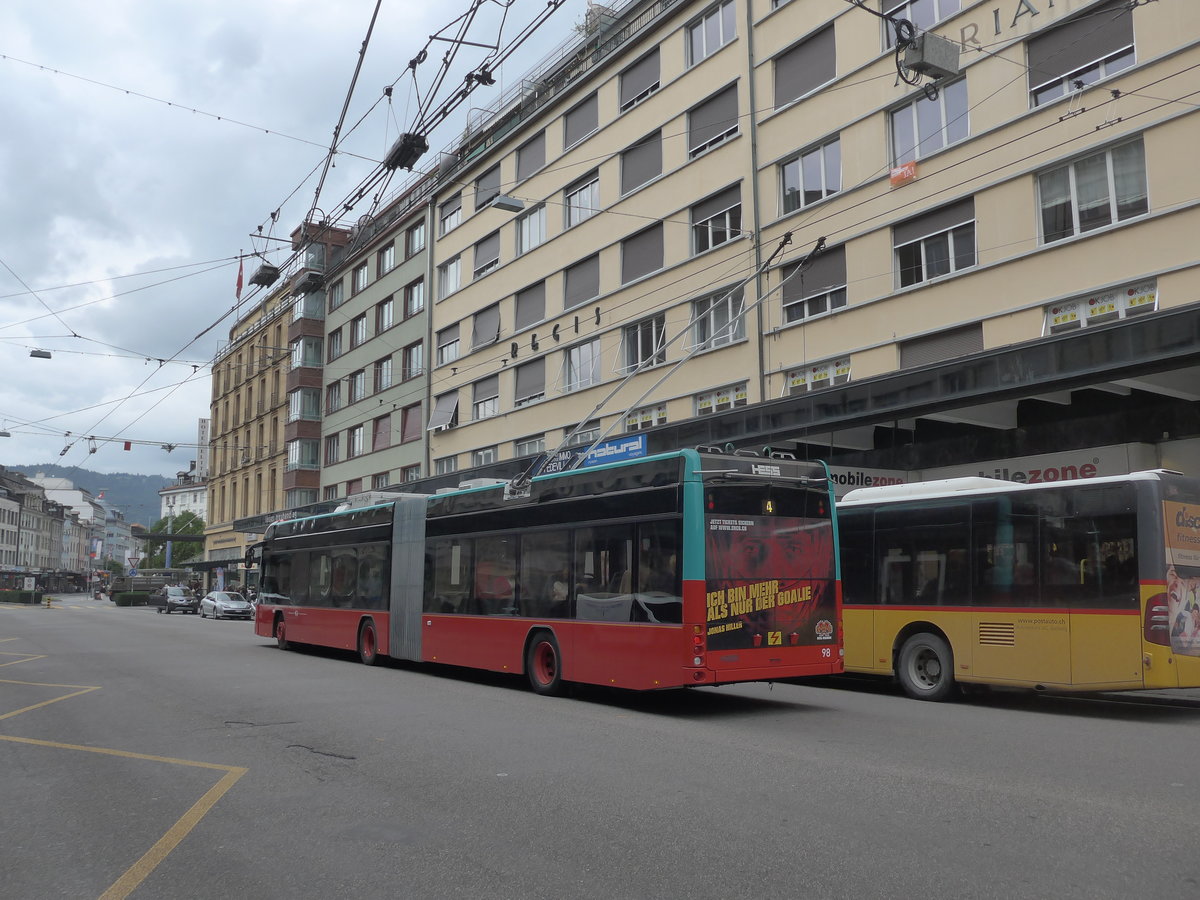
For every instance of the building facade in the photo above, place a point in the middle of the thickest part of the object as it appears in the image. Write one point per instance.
(739, 226)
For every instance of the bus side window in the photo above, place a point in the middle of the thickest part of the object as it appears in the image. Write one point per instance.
(545, 580)
(856, 535)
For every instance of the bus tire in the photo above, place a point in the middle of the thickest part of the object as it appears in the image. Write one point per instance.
(281, 640)
(368, 646)
(925, 668)
(543, 665)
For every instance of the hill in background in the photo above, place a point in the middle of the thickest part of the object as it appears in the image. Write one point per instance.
(136, 496)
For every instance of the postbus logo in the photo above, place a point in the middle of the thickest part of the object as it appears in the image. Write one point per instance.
(824, 630)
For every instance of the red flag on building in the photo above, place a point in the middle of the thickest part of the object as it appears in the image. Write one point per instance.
(238, 293)
(129, 445)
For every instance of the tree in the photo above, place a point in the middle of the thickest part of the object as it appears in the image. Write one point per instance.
(181, 551)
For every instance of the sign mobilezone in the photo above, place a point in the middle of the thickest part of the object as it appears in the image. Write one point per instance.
(1095, 462)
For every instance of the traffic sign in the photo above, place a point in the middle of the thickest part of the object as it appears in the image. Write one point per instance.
(133, 561)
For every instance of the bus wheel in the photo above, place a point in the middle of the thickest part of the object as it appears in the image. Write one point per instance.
(368, 649)
(281, 634)
(926, 668)
(543, 665)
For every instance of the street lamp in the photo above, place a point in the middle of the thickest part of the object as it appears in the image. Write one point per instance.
(170, 513)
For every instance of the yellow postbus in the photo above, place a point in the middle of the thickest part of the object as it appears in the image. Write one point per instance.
(1084, 585)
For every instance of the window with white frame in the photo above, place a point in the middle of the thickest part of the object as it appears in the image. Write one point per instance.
(336, 294)
(641, 163)
(530, 382)
(1102, 307)
(385, 315)
(358, 330)
(720, 399)
(410, 423)
(414, 240)
(580, 121)
(380, 481)
(1081, 51)
(487, 187)
(383, 374)
(450, 214)
(485, 456)
(447, 345)
(646, 342)
(642, 253)
(581, 366)
(449, 278)
(646, 417)
(487, 254)
(530, 446)
(588, 433)
(386, 259)
(712, 31)
(713, 122)
(303, 453)
(1092, 192)
(818, 289)
(445, 411)
(358, 278)
(817, 376)
(924, 126)
(935, 244)
(531, 229)
(582, 199)
(718, 320)
(381, 432)
(410, 473)
(639, 81)
(414, 298)
(413, 360)
(335, 344)
(717, 220)
(333, 396)
(304, 403)
(485, 397)
(922, 13)
(356, 386)
(333, 448)
(354, 442)
(805, 66)
(813, 175)
(445, 465)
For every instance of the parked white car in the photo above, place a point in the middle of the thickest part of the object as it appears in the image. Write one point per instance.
(225, 605)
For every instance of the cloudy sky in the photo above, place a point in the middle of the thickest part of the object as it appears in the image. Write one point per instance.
(141, 144)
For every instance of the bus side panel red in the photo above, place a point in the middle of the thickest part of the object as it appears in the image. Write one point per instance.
(626, 655)
(323, 626)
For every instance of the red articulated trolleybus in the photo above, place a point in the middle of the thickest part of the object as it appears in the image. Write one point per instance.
(679, 569)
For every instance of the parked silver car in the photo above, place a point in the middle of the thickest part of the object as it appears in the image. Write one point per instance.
(225, 605)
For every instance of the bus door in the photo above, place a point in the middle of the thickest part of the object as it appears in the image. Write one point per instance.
(1022, 627)
(1090, 550)
(856, 532)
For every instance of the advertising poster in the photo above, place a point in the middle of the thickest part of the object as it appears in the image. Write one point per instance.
(769, 582)
(1181, 530)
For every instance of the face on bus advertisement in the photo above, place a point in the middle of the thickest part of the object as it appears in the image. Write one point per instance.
(769, 581)
(1182, 539)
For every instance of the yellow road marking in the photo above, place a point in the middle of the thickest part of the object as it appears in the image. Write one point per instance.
(17, 712)
(25, 657)
(149, 861)
(138, 872)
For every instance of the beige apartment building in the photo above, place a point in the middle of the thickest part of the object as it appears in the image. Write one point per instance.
(1007, 272)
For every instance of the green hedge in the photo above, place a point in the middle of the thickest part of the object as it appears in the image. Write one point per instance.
(20, 596)
(131, 598)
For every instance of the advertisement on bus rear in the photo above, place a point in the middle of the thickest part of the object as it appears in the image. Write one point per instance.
(769, 582)
(1182, 538)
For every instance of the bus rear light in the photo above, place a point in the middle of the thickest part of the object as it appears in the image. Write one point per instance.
(697, 641)
(1157, 627)
(697, 661)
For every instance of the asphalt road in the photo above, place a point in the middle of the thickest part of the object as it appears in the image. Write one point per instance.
(170, 756)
